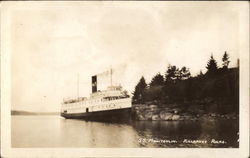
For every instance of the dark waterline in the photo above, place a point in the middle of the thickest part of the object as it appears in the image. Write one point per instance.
(55, 131)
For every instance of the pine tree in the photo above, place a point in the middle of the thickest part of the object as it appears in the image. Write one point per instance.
(157, 80)
(225, 60)
(200, 74)
(139, 93)
(212, 67)
(171, 74)
(184, 73)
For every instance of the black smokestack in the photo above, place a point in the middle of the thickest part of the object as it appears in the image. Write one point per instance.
(94, 84)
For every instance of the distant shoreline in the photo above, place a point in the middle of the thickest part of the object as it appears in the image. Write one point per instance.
(17, 112)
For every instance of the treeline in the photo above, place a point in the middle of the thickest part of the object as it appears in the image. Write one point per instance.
(218, 86)
(18, 112)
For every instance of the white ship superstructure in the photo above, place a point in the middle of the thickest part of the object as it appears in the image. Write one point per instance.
(112, 98)
(114, 102)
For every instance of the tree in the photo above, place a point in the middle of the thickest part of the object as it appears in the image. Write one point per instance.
(200, 74)
(212, 67)
(139, 93)
(225, 60)
(184, 73)
(154, 92)
(157, 80)
(171, 74)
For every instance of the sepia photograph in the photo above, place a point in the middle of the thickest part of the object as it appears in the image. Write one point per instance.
(85, 78)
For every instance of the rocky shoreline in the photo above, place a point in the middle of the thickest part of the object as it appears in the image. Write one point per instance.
(143, 112)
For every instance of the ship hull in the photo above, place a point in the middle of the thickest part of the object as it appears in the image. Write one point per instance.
(107, 115)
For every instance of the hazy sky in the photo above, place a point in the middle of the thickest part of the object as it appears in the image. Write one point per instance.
(53, 42)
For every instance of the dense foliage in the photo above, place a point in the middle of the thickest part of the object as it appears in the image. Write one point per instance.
(217, 89)
(139, 94)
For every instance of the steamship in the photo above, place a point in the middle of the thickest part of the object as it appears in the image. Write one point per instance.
(111, 104)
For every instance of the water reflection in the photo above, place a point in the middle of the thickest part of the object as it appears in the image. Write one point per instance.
(199, 131)
(97, 134)
(53, 131)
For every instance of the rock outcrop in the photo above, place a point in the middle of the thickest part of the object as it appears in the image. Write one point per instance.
(154, 112)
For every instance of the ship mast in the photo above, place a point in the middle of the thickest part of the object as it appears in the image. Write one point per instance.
(78, 86)
(111, 76)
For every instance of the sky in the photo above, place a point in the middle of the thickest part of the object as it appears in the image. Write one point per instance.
(54, 43)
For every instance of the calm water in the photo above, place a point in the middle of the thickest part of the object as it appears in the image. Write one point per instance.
(54, 131)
